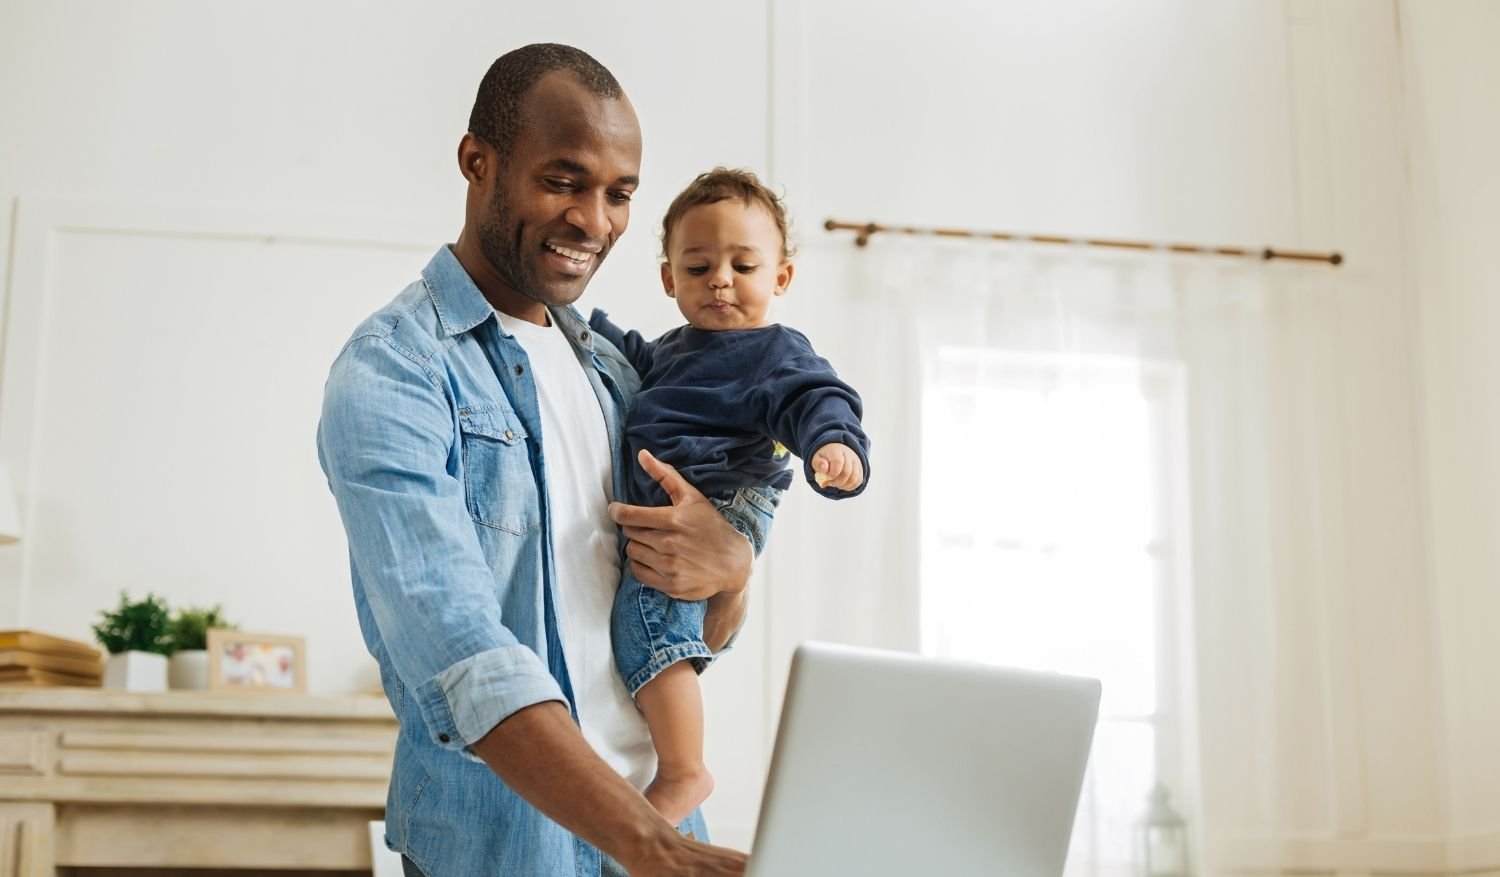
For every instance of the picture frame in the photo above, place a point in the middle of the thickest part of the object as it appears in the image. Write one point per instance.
(256, 662)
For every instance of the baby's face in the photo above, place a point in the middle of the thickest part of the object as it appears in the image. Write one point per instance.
(725, 266)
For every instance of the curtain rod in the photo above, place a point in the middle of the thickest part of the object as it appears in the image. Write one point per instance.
(864, 231)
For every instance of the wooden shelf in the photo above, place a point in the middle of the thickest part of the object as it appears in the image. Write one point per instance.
(98, 778)
(194, 703)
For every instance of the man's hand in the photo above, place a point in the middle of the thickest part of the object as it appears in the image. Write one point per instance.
(683, 856)
(686, 550)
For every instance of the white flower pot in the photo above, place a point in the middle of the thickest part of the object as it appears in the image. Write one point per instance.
(188, 670)
(136, 671)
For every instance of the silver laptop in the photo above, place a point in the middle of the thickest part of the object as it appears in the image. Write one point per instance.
(894, 764)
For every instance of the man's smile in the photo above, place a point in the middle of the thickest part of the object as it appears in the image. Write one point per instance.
(569, 260)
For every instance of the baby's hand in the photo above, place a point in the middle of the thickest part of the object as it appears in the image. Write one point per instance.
(836, 465)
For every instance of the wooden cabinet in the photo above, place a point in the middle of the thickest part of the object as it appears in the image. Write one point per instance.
(106, 779)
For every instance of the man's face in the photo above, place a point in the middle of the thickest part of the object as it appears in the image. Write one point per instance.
(562, 195)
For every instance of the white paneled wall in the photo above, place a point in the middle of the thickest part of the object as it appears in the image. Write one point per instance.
(160, 454)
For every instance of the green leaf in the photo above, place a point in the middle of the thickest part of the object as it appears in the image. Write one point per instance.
(189, 628)
(139, 626)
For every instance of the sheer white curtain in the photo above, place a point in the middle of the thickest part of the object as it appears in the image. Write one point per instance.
(1114, 465)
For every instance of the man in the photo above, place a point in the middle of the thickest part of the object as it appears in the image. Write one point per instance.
(470, 434)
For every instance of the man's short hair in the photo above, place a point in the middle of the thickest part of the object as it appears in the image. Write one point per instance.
(499, 107)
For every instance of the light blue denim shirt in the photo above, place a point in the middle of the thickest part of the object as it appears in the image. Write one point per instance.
(431, 439)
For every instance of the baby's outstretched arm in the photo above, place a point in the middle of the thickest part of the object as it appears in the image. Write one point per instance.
(837, 466)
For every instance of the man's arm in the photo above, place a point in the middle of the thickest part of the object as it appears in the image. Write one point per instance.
(540, 754)
(385, 440)
(688, 551)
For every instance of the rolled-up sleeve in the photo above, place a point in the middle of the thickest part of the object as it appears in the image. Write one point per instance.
(387, 443)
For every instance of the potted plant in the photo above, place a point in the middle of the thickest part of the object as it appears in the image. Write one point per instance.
(188, 629)
(135, 635)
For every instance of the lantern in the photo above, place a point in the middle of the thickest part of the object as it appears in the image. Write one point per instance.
(1164, 849)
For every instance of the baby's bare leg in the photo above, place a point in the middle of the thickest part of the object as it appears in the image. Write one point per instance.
(673, 706)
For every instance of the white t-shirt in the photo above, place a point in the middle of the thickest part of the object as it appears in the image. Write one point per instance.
(580, 487)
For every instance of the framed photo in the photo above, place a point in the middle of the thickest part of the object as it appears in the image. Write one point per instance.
(259, 662)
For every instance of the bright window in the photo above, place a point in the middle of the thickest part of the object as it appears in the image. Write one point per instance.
(1051, 540)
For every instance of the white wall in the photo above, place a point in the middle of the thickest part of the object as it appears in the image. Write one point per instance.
(315, 142)
(1162, 119)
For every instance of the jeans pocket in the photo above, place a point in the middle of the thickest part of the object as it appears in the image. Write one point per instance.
(763, 499)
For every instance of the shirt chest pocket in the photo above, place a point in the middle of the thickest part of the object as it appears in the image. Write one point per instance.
(498, 482)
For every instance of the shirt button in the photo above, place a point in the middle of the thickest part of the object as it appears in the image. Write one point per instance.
(584, 336)
(520, 368)
(443, 738)
(509, 434)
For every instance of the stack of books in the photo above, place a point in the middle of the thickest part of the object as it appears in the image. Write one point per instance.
(34, 659)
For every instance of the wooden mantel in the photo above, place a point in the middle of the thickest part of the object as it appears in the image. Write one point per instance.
(108, 779)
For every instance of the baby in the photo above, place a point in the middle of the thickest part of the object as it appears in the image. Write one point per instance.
(723, 399)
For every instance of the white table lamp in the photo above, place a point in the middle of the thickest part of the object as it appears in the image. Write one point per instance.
(10, 511)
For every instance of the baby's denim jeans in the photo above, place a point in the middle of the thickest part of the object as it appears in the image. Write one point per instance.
(652, 631)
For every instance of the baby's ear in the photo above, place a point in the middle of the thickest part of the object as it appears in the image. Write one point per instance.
(666, 279)
(784, 277)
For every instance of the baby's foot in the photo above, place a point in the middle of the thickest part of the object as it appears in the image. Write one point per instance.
(676, 793)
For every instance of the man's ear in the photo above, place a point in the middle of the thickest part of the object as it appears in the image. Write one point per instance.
(784, 277)
(476, 159)
(666, 280)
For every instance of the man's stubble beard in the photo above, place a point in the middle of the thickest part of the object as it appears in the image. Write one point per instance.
(500, 241)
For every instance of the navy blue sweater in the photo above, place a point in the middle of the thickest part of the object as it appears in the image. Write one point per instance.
(714, 405)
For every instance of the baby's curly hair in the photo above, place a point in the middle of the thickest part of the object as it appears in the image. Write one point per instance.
(722, 184)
